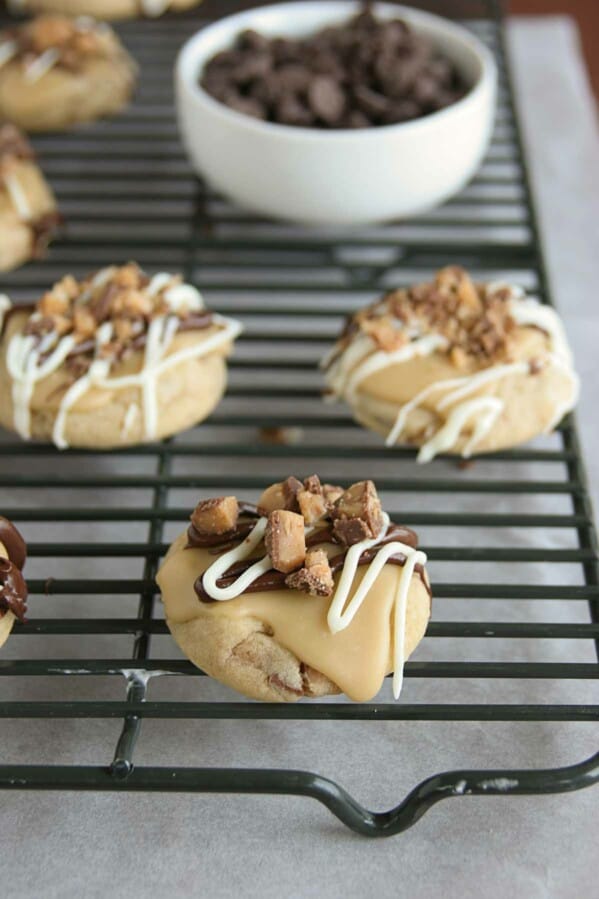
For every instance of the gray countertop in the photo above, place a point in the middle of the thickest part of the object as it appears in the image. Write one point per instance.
(144, 845)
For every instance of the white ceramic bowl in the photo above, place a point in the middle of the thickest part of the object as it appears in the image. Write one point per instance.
(344, 177)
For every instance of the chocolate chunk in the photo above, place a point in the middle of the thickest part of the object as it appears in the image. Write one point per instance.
(315, 578)
(285, 541)
(326, 99)
(216, 516)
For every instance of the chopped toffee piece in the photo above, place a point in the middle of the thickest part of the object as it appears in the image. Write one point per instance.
(332, 494)
(311, 500)
(474, 319)
(284, 540)
(280, 496)
(357, 514)
(315, 578)
(216, 516)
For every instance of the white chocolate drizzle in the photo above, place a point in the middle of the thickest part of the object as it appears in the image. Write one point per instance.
(8, 50)
(341, 613)
(41, 65)
(17, 195)
(26, 364)
(361, 359)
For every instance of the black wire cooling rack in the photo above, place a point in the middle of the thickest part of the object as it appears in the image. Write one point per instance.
(127, 191)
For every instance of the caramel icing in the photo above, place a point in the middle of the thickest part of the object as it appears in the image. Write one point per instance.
(375, 616)
(356, 659)
(466, 406)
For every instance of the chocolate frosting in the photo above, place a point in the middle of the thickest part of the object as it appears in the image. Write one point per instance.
(13, 589)
(14, 543)
(275, 580)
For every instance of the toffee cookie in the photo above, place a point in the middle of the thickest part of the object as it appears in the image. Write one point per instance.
(117, 359)
(13, 589)
(103, 9)
(57, 72)
(313, 591)
(28, 214)
(455, 367)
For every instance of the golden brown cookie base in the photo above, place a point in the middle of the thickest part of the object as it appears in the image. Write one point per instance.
(61, 98)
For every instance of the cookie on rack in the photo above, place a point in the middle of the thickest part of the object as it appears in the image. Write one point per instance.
(314, 591)
(103, 9)
(28, 213)
(455, 366)
(120, 358)
(57, 72)
(13, 589)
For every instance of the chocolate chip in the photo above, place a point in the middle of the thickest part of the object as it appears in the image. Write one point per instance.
(326, 99)
(357, 74)
(247, 105)
(371, 102)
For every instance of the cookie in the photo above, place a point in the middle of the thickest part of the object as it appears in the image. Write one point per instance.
(28, 213)
(455, 366)
(57, 72)
(312, 592)
(13, 589)
(118, 359)
(103, 9)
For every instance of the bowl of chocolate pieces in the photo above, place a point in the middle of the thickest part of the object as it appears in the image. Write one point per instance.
(334, 112)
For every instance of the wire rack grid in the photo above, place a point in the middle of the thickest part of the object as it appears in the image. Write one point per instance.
(127, 191)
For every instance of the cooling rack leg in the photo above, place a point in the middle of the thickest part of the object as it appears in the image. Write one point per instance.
(500, 782)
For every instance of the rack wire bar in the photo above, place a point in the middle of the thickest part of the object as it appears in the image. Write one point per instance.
(127, 191)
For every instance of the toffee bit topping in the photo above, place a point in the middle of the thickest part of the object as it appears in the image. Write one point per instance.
(311, 500)
(216, 516)
(315, 578)
(475, 320)
(281, 496)
(70, 41)
(299, 560)
(285, 540)
(357, 514)
(126, 298)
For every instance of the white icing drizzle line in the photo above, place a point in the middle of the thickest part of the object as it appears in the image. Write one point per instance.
(338, 617)
(130, 416)
(17, 195)
(358, 361)
(23, 363)
(41, 65)
(97, 370)
(7, 51)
